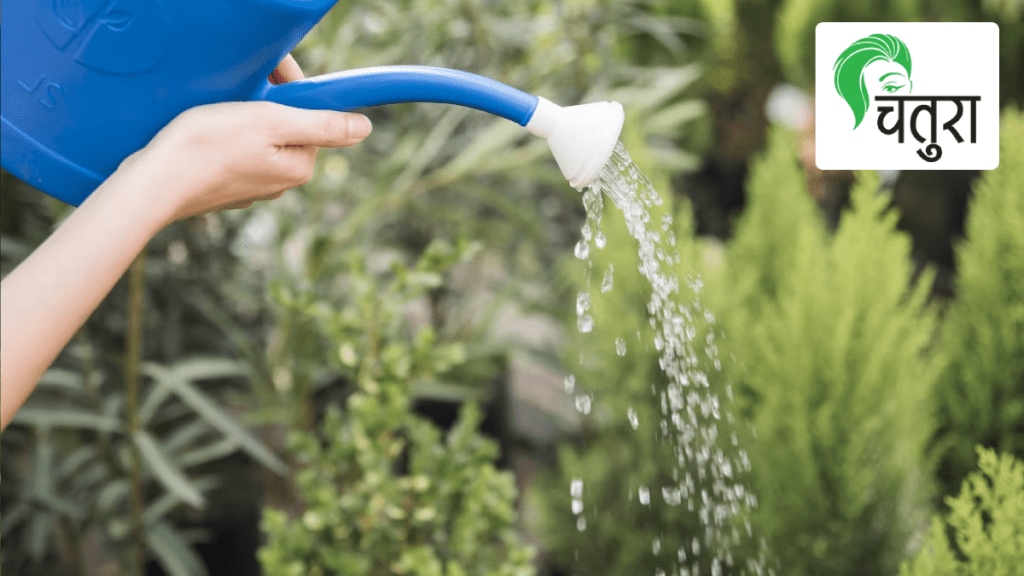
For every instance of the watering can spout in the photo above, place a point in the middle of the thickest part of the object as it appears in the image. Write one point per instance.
(582, 138)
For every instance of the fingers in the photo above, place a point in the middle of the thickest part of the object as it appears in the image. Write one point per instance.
(322, 128)
(287, 70)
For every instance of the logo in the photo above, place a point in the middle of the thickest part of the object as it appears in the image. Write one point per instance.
(905, 96)
(118, 37)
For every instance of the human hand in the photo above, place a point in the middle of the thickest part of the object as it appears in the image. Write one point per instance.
(231, 154)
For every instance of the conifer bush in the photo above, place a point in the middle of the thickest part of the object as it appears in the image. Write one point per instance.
(827, 337)
(987, 523)
(981, 392)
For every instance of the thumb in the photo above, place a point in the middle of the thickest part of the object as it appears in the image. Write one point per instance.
(321, 128)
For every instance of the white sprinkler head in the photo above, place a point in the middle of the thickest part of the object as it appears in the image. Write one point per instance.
(581, 137)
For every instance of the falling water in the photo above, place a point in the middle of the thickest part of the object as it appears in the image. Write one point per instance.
(708, 471)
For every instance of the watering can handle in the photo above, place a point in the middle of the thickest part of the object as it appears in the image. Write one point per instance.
(364, 87)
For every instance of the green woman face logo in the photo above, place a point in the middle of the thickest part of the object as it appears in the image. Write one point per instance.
(876, 64)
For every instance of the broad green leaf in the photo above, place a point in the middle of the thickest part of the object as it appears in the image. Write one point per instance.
(166, 471)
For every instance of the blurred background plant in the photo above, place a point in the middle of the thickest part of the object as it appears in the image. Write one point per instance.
(869, 357)
(402, 496)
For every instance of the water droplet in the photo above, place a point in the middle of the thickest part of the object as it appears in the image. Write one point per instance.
(695, 424)
(585, 323)
(672, 496)
(656, 546)
(609, 278)
(582, 303)
(577, 506)
(576, 488)
(569, 383)
(583, 402)
(581, 523)
(582, 250)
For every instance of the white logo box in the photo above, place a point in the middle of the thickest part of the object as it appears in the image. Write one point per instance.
(948, 59)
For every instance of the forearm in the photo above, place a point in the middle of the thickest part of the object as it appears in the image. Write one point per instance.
(48, 297)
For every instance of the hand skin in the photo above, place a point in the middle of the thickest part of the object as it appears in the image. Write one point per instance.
(211, 157)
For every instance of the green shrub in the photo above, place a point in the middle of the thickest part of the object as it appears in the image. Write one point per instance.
(986, 521)
(827, 336)
(982, 390)
(385, 491)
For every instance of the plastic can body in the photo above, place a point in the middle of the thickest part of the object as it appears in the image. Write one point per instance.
(86, 83)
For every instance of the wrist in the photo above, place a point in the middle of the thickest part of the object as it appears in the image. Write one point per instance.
(144, 187)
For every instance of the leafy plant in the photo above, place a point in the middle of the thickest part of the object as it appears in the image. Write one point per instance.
(986, 521)
(385, 491)
(981, 393)
(79, 477)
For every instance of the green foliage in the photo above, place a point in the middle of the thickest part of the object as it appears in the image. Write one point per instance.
(385, 491)
(828, 342)
(986, 521)
(982, 391)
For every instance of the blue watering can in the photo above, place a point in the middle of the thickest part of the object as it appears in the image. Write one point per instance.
(85, 83)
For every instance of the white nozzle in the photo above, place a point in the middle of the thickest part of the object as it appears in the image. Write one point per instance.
(581, 137)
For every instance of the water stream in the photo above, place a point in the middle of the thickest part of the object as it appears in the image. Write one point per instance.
(710, 465)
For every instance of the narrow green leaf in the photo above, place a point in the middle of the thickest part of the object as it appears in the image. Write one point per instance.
(65, 418)
(74, 461)
(42, 473)
(112, 493)
(183, 436)
(63, 380)
(166, 471)
(173, 553)
(155, 398)
(15, 515)
(208, 453)
(216, 417)
(202, 368)
(39, 527)
(168, 501)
